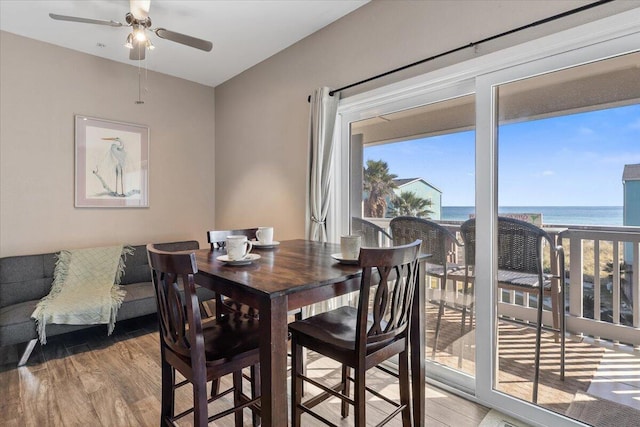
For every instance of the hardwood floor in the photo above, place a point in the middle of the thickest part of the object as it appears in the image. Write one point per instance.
(89, 379)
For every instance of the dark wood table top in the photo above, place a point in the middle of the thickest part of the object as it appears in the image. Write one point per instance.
(293, 266)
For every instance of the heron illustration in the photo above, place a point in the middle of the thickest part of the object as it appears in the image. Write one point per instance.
(117, 157)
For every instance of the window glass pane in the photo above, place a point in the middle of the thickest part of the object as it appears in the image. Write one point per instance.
(420, 163)
(569, 163)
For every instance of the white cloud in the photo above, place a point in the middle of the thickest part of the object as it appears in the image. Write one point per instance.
(548, 173)
(586, 131)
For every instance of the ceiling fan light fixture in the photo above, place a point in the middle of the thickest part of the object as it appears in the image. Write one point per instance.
(139, 34)
(129, 43)
(139, 22)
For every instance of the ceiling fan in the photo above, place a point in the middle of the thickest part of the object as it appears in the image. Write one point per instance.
(138, 19)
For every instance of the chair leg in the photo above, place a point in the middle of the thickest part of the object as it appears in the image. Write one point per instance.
(299, 316)
(215, 387)
(237, 396)
(168, 393)
(536, 377)
(255, 391)
(204, 308)
(563, 333)
(359, 397)
(346, 387)
(296, 382)
(200, 414)
(465, 289)
(443, 292)
(405, 399)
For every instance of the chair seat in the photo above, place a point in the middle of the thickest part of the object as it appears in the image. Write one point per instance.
(524, 280)
(335, 328)
(438, 270)
(229, 337)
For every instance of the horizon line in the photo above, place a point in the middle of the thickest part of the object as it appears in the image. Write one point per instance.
(539, 206)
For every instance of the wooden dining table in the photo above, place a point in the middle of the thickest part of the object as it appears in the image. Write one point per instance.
(291, 275)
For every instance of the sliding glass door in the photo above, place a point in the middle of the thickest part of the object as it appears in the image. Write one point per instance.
(555, 138)
(555, 124)
(565, 139)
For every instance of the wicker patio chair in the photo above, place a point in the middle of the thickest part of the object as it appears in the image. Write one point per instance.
(520, 267)
(372, 234)
(437, 241)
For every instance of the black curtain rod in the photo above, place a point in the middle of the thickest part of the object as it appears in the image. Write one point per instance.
(472, 44)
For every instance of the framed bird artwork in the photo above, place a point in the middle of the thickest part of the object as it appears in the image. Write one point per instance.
(112, 164)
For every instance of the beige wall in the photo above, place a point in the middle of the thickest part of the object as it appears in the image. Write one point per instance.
(42, 87)
(262, 114)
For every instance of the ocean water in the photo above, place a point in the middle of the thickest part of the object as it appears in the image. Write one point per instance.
(565, 215)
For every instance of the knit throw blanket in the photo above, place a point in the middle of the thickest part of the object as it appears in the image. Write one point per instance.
(86, 289)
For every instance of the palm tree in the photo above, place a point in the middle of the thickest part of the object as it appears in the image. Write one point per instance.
(408, 203)
(378, 184)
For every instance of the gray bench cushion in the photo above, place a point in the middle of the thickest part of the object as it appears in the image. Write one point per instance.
(23, 278)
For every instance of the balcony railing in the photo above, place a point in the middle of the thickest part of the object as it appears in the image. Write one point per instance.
(602, 279)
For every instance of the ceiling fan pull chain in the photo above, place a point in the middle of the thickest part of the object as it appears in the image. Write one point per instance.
(146, 76)
(139, 101)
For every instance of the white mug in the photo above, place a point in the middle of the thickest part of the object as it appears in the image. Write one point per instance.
(238, 247)
(264, 235)
(350, 246)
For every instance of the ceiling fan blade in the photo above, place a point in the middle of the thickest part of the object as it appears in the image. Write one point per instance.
(85, 20)
(140, 8)
(138, 52)
(184, 39)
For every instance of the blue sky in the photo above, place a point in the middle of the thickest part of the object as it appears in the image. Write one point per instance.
(574, 160)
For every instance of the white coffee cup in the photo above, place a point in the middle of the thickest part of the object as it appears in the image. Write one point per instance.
(350, 246)
(265, 235)
(238, 247)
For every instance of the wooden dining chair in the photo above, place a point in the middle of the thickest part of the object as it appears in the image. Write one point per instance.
(199, 351)
(229, 306)
(362, 337)
(437, 241)
(225, 305)
(521, 268)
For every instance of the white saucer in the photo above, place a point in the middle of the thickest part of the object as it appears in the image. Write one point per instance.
(260, 245)
(246, 260)
(338, 257)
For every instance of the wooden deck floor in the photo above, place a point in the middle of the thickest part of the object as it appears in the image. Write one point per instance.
(599, 381)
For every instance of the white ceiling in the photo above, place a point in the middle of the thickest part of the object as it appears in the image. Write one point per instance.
(243, 32)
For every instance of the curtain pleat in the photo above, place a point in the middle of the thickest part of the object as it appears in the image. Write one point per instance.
(322, 119)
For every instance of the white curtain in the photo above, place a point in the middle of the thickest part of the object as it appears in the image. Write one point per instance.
(322, 119)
